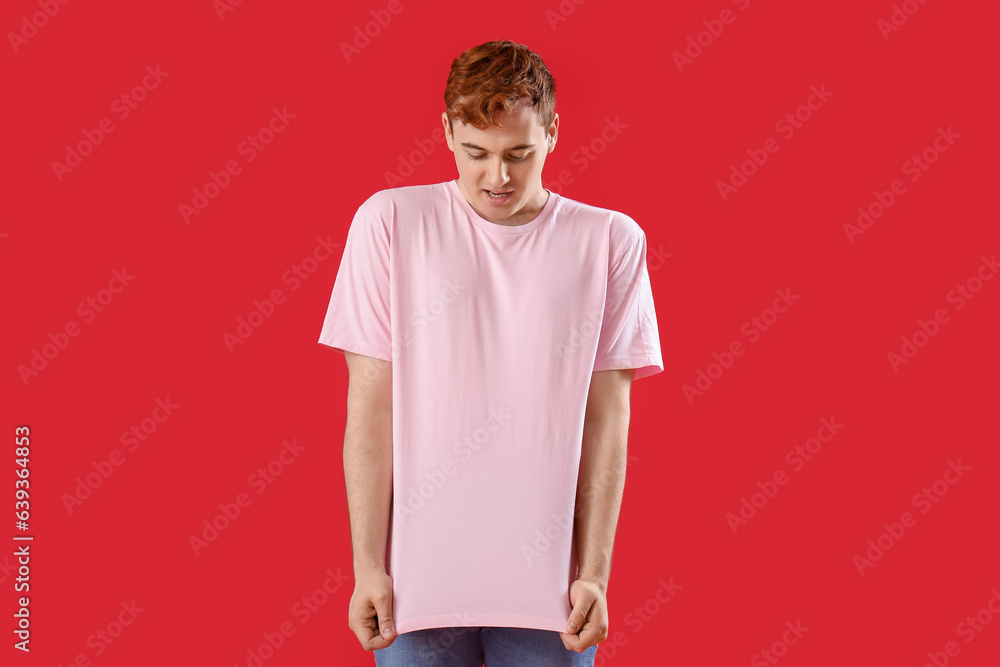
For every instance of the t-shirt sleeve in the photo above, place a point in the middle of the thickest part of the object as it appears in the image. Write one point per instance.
(629, 335)
(358, 316)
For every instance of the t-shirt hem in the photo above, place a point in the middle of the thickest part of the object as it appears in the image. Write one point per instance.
(481, 620)
(643, 366)
(357, 348)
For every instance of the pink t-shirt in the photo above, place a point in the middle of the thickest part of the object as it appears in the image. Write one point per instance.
(494, 332)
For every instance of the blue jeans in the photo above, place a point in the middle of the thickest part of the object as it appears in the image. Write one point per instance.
(474, 646)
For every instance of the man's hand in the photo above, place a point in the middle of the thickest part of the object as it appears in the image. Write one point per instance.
(370, 611)
(588, 623)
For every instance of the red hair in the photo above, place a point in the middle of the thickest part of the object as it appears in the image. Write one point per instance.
(488, 79)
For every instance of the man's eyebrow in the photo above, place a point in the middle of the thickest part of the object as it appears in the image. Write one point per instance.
(519, 147)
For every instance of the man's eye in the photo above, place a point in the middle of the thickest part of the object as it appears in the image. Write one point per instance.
(515, 158)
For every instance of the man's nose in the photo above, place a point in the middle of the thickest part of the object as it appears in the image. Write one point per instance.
(498, 174)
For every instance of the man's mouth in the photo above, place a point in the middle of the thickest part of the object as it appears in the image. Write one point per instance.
(498, 194)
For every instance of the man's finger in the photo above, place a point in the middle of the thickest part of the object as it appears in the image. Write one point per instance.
(377, 641)
(576, 642)
(579, 614)
(367, 631)
(383, 607)
(569, 641)
(590, 635)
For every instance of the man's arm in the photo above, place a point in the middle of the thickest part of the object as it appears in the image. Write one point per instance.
(598, 501)
(368, 478)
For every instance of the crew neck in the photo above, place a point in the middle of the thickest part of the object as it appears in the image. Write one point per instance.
(495, 228)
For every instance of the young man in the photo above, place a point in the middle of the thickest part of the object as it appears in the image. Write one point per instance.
(492, 330)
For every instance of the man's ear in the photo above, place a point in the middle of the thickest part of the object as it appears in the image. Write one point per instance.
(552, 136)
(450, 140)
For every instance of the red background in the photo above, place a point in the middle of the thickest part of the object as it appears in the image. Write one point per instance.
(826, 357)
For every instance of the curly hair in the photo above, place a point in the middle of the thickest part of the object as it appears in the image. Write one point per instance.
(487, 80)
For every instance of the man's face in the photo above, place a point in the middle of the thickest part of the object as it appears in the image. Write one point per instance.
(506, 160)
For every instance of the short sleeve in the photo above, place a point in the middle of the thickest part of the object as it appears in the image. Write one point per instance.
(358, 315)
(629, 335)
